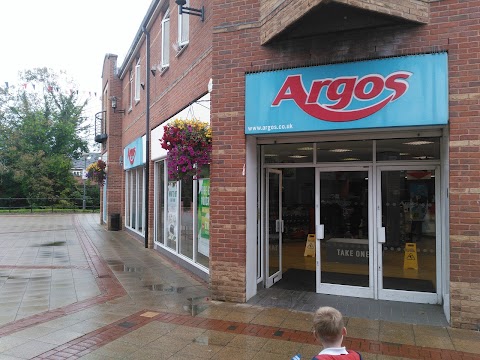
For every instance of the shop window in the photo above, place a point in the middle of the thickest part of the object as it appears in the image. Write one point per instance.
(183, 28)
(408, 149)
(288, 153)
(160, 201)
(173, 192)
(344, 151)
(351, 151)
(166, 39)
(134, 200)
(202, 254)
(128, 191)
(140, 197)
(186, 216)
(182, 215)
(134, 196)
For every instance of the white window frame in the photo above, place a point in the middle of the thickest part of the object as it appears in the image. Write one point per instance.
(132, 210)
(183, 28)
(137, 81)
(165, 56)
(130, 95)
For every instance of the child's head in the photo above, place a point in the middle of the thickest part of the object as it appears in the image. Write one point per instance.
(328, 326)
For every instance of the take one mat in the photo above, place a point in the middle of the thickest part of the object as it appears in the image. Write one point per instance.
(304, 280)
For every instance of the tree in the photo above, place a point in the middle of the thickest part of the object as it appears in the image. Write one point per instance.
(40, 133)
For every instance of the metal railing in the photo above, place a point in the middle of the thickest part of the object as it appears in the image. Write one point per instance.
(54, 204)
(100, 130)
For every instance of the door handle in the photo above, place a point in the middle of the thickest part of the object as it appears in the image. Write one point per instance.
(381, 235)
(282, 226)
(320, 231)
(277, 225)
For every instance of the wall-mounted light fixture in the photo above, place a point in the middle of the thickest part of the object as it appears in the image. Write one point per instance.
(182, 9)
(120, 160)
(143, 86)
(114, 105)
(153, 70)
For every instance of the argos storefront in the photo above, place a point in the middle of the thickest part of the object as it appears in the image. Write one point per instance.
(356, 154)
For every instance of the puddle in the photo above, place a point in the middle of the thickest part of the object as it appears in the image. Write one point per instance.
(165, 288)
(41, 278)
(126, 268)
(201, 340)
(26, 277)
(194, 309)
(50, 254)
(196, 305)
(114, 262)
(118, 265)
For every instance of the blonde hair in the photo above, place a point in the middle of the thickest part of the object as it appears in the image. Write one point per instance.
(328, 324)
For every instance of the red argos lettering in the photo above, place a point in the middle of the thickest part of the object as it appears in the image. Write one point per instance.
(398, 83)
(340, 92)
(131, 155)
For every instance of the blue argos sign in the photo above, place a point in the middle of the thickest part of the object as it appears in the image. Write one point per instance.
(402, 91)
(133, 154)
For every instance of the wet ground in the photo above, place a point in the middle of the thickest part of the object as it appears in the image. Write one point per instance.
(70, 289)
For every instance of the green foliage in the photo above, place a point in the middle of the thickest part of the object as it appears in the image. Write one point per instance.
(40, 134)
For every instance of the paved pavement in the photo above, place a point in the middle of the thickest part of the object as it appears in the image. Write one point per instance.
(70, 289)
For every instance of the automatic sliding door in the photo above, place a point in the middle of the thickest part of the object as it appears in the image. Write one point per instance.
(408, 246)
(345, 247)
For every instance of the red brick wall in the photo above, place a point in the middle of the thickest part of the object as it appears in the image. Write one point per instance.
(111, 86)
(185, 81)
(453, 27)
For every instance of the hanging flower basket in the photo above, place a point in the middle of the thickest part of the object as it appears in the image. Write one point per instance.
(97, 172)
(189, 145)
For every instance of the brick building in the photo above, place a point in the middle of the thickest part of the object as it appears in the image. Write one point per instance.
(345, 146)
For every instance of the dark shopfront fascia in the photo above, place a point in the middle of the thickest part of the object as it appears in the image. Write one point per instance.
(369, 192)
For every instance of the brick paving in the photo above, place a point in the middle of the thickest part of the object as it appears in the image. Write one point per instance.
(108, 284)
(96, 339)
(126, 307)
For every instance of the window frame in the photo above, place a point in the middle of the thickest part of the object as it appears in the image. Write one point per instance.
(130, 91)
(183, 21)
(137, 81)
(135, 200)
(165, 51)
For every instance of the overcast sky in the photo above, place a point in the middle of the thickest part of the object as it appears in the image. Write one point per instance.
(73, 36)
(67, 35)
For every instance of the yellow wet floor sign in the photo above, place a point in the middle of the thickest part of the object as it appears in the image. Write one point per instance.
(310, 246)
(410, 260)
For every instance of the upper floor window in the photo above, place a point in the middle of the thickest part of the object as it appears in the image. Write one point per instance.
(137, 81)
(166, 39)
(130, 91)
(183, 27)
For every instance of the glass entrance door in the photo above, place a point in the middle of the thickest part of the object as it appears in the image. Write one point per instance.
(343, 232)
(407, 234)
(274, 226)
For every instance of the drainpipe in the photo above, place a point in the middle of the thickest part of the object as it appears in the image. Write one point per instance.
(147, 131)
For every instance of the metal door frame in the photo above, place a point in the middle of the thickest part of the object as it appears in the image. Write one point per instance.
(272, 279)
(335, 289)
(403, 295)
